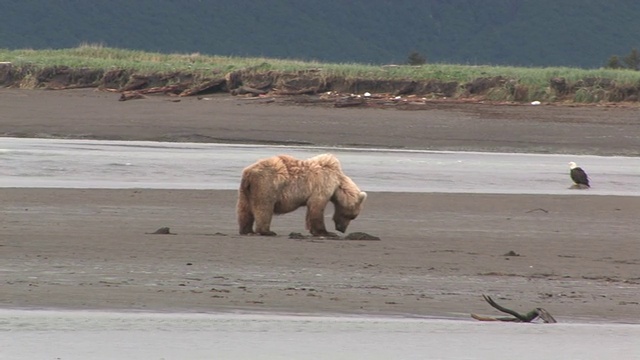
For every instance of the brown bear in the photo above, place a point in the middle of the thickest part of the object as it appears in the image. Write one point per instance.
(281, 184)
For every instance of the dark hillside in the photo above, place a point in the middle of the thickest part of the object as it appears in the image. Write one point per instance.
(582, 33)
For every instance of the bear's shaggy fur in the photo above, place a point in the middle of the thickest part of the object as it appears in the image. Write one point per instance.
(281, 184)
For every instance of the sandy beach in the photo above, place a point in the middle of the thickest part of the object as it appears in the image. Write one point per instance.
(576, 256)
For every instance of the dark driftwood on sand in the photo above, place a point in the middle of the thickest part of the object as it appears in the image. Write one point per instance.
(517, 317)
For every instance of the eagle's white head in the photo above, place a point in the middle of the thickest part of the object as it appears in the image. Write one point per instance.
(572, 165)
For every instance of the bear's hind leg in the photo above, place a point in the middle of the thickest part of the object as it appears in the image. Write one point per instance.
(263, 227)
(245, 221)
(245, 215)
(263, 216)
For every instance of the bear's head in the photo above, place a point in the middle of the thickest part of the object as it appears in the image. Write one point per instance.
(345, 212)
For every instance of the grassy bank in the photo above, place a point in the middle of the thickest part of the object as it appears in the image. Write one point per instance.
(534, 81)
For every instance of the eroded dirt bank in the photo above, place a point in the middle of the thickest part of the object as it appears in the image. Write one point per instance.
(438, 125)
(259, 81)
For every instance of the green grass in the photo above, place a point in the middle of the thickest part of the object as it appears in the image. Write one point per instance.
(100, 57)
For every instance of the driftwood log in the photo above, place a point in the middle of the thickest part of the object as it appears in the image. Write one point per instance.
(205, 86)
(349, 102)
(516, 317)
(139, 94)
(244, 90)
(305, 91)
(131, 95)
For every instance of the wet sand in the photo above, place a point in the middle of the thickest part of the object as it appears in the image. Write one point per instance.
(89, 249)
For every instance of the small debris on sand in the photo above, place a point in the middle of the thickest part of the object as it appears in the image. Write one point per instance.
(351, 236)
(162, 231)
(361, 236)
(538, 209)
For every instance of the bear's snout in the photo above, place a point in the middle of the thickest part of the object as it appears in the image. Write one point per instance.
(341, 227)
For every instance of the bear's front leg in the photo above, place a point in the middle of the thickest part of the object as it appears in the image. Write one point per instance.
(315, 220)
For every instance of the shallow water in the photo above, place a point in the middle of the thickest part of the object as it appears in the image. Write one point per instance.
(136, 164)
(38, 334)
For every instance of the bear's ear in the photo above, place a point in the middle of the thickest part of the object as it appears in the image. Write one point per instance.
(362, 197)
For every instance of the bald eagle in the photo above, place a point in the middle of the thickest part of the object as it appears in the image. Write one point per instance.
(578, 175)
